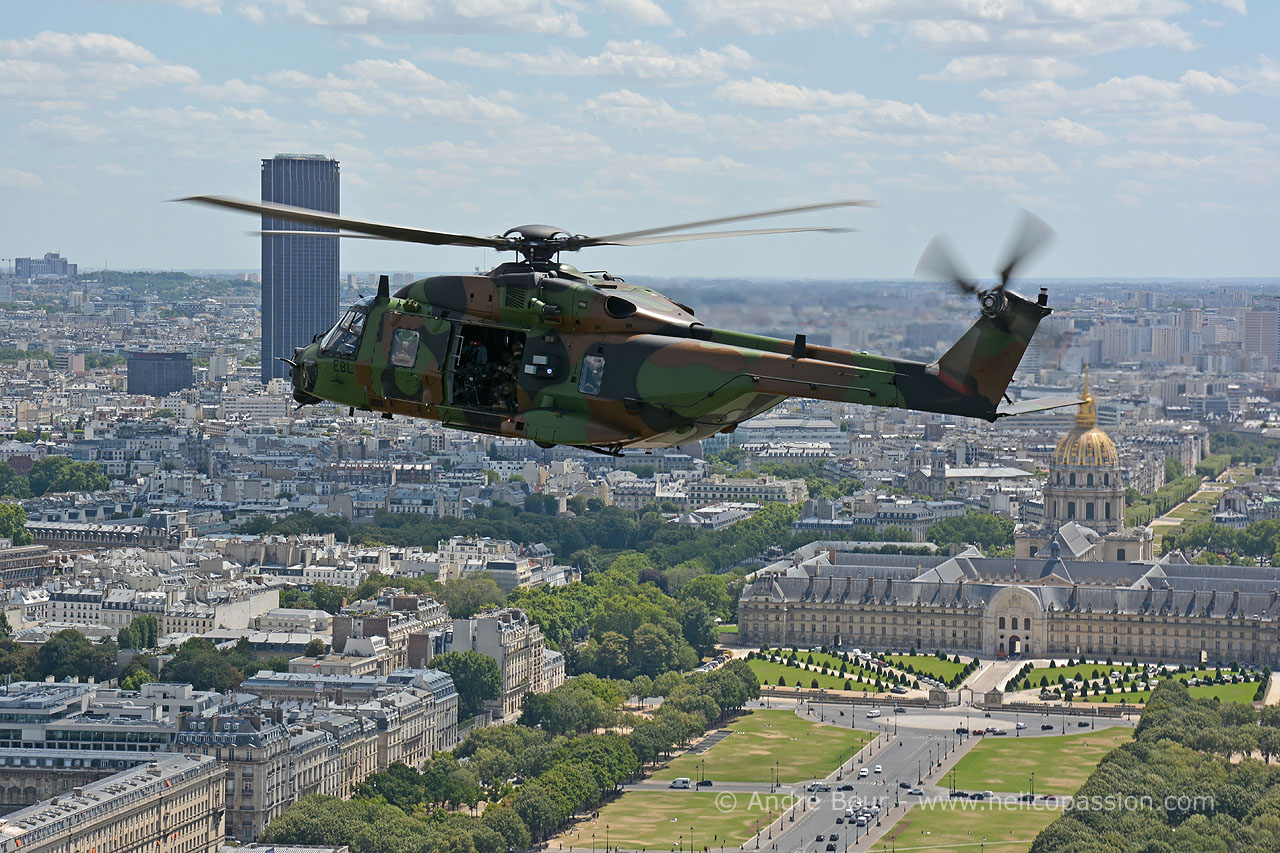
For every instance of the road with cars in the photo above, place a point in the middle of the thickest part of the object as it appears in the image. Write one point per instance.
(906, 762)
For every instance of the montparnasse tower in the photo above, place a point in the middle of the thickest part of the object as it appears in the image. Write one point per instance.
(1084, 475)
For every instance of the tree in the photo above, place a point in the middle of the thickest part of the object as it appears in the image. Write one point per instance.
(199, 663)
(475, 676)
(13, 524)
(467, 596)
(69, 653)
(62, 474)
(5, 630)
(13, 484)
(316, 648)
(974, 528)
(711, 590)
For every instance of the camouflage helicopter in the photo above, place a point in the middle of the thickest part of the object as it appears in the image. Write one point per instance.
(537, 349)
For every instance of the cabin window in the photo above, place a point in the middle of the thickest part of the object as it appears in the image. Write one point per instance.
(404, 348)
(592, 374)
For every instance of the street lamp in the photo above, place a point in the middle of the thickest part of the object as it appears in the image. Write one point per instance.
(606, 837)
(593, 842)
(1033, 784)
(919, 773)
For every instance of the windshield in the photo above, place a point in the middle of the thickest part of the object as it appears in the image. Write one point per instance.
(344, 338)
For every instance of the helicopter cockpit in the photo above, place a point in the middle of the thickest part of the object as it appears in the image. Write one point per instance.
(343, 340)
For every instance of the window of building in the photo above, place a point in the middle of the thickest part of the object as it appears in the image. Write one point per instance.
(1088, 510)
(1071, 509)
(1073, 479)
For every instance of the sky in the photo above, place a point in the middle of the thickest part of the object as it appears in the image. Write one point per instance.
(1143, 131)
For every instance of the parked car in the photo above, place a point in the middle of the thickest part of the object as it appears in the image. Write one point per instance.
(1046, 727)
(979, 731)
(704, 783)
(898, 709)
(898, 688)
(1020, 726)
(680, 782)
(961, 730)
(1083, 724)
(959, 795)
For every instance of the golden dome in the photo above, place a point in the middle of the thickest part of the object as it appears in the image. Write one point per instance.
(1086, 444)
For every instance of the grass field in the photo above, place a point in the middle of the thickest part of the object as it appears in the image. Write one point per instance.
(943, 670)
(965, 828)
(728, 629)
(802, 750)
(642, 820)
(1061, 764)
(833, 663)
(1071, 673)
(1224, 692)
(769, 673)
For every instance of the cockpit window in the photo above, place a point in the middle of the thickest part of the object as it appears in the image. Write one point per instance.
(343, 340)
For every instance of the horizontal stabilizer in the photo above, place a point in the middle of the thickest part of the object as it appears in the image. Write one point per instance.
(1039, 404)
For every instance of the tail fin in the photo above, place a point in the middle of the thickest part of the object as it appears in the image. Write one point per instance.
(971, 378)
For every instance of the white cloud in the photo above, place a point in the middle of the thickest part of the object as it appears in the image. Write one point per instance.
(644, 12)
(1136, 94)
(82, 67)
(999, 160)
(1207, 84)
(65, 129)
(19, 180)
(527, 17)
(1130, 192)
(118, 171)
(774, 95)
(1264, 79)
(1237, 6)
(233, 90)
(1065, 131)
(1161, 163)
(631, 60)
(1012, 27)
(633, 111)
(1197, 129)
(970, 68)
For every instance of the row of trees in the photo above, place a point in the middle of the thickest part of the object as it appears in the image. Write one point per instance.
(533, 776)
(1191, 778)
(1258, 539)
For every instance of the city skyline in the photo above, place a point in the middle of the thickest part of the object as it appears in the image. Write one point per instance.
(1145, 135)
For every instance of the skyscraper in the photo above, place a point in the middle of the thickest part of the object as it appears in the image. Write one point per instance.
(299, 274)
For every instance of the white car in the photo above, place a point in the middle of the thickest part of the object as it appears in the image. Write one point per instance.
(879, 769)
(863, 773)
(1021, 726)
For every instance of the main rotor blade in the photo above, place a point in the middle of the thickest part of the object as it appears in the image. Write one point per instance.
(315, 234)
(1032, 235)
(938, 262)
(723, 220)
(304, 216)
(712, 235)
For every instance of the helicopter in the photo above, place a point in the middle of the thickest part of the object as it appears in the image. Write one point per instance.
(537, 349)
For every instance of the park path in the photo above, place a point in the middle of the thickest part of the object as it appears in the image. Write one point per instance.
(1272, 696)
